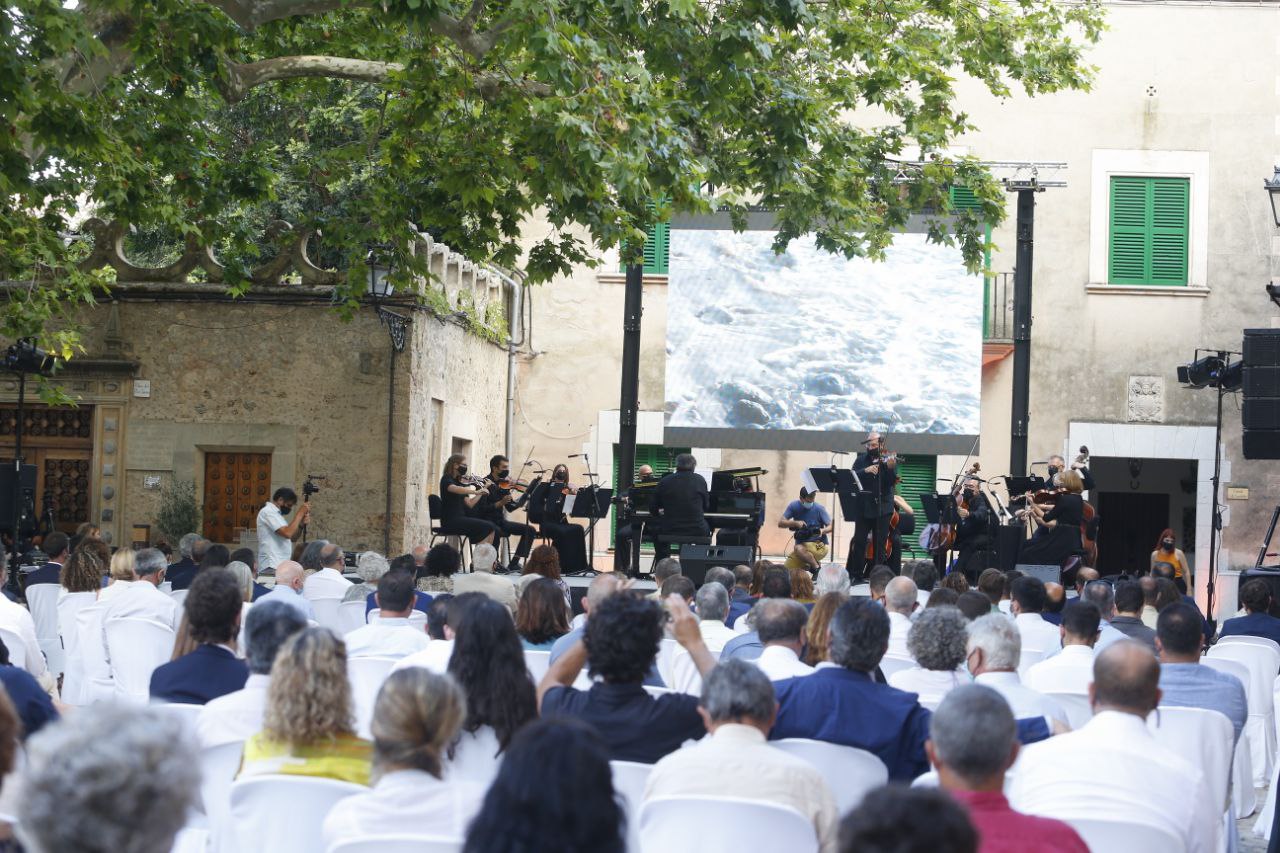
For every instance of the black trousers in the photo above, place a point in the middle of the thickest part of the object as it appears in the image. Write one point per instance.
(571, 541)
(622, 545)
(474, 529)
(857, 564)
(662, 550)
(527, 534)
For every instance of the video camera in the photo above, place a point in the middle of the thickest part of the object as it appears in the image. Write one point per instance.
(309, 488)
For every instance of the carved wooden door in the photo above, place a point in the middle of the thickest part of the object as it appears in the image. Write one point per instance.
(59, 443)
(236, 485)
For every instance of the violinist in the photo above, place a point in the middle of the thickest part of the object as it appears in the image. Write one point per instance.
(973, 533)
(1058, 465)
(460, 492)
(500, 499)
(877, 473)
(1060, 515)
(569, 539)
(681, 497)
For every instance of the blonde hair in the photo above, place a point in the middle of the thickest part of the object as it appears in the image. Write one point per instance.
(183, 642)
(122, 562)
(244, 576)
(1071, 481)
(416, 715)
(819, 625)
(801, 584)
(309, 699)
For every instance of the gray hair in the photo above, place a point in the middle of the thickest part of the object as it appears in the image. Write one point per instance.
(244, 577)
(686, 462)
(973, 732)
(900, 596)
(780, 619)
(310, 558)
(371, 566)
(713, 602)
(998, 637)
(331, 555)
(831, 579)
(484, 558)
(938, 638)
(187, 543)
(149, 561)
(267, 626)
(1102, 594)
(720, 575)
(737, 690)
(75, 797)
(665, 568)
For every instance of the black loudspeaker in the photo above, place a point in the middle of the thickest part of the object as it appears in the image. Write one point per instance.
(1008, 544)
(1261, 347)
(696, 559)
(1260, 415)
(1262, 444)
(1261, 381)
(6, 490)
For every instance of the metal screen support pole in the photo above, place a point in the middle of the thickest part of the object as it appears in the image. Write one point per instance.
(629, 399)
(1021, 407)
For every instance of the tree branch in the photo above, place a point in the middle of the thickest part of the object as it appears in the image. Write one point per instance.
(241, 77)
(251, 14)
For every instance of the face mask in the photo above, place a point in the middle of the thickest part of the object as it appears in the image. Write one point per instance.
(462, 469)
(1168, 544)
(1053, 469)
(286, 509)
(807, 504)
(560, 478)
(505, 473)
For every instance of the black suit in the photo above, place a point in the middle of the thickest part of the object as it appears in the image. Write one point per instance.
(973, 538)
(491, 511)
(47, 573)
(205, 673)
(182, 573)
(682, 497)
(875, 506)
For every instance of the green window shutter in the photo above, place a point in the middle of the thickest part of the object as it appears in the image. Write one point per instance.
(918, 475)
(963, 198)
(661, 459)
(1150, 224)
(657, 249)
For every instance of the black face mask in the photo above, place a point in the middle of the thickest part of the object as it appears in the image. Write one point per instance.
(504, 473)
(286, 509)
(1053, 470)
(462, 470)
(562, 477)
(1168, 544)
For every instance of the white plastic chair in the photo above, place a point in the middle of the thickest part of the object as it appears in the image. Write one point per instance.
(655, 691)
(68, 606)
(185, 712)
(1250, 640)
(135, 647)
(1243, 795)
(850, 772)
(1262, 663)
(166, 587)
(260, 824)
(42, 600)
(537, 663)
(1076, 705)
(97, 684)
(722, 825)
(326, 610)
(475, 758)
(366, 675)
(417, 618)
(1207, 740)
(629, 778)
(218, 767)
(179, 597)
(890, 664)
(399, 844)
(18, 650)
(351, 616)
(1114, 836)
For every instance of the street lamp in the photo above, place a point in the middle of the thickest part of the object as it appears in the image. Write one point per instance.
(1273, 192)
(380, 267)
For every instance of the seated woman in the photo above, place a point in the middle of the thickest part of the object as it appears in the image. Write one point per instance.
(438, 569)
(544, 561)
(416, 715)
(308, 727)
(802, 586)
(370, 567)
(936, 642)
(121, 576)
(83, 572)
(541, 616)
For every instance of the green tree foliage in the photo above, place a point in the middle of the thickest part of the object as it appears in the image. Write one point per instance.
(210, 118)
(178, 514)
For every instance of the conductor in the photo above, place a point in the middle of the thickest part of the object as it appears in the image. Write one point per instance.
(878, 474)
(680, 498)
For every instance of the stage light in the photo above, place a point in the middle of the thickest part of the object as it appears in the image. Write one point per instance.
(1273, 192)
(1201, 373)
(1232, 376)
(26, 357)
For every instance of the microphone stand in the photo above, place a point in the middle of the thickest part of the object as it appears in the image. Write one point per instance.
(592, 518)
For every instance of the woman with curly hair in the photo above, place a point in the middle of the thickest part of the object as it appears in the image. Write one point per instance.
(544, 561)
(815, 630)
(309, 728)
(937, 643)
(541, 617)
(83, 572)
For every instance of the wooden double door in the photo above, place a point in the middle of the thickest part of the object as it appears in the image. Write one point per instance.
(236, 485)
(58, 441)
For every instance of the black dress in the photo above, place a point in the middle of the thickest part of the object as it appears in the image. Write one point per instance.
(454, 520)
(569, 539)
(1058, 544)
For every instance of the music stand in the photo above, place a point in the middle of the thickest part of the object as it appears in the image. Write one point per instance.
(591, 503)
(1019, 486)
(827, 481)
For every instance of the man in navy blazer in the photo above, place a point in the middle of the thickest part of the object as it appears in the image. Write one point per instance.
(182, 573)
(58, 546)
(1256, 598)
(212, 608)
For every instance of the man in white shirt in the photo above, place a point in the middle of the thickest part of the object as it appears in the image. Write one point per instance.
(16, 618)
(713, 606)
(143, 599)
(328, 582)
(391, 635)
(780, 624)
(900, 600)
(1071, 670)
(442, 615)
(482, 579)
(275, 535)
(237, 715)
(1029, 596)
(1112, 767)
(735, 759)
(288, 589)
(993, 650)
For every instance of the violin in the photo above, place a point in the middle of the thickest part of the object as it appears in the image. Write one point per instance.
(945, 536)
(507, 484)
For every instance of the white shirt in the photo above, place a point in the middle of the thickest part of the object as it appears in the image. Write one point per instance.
(1069, 671)
(16, 618)
(1038, 634)
(1005, 606)
(1113, 768)
(928, 683)
(779, 662)
(736, 761)
(235, 716)
(405, 802)
(393, 637)
(113, 589)
(1025, 702)
(273, 549)
(685, 677)
(899, 627)
(143, 600)
(291, 597)
(434, 657)
(326, 583)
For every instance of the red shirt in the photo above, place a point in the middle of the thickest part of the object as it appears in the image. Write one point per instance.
(1002, 830)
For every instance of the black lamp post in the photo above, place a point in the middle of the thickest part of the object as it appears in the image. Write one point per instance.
(380, 288)
(22, 358)
(1273, 192)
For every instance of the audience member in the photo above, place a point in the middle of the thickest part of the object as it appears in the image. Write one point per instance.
(1084, 576)
(1150, 597)
(215, 557)
(668, 567)
(370, 566)
(621, 642)
(841, 703)
(900, 601)
(250, 558)
(29, 698)
(83, 573)
(993, 651)
(141, 600)
(580, 813)
(444, 616)
(58, 546)
(244, 579)
(601, 587)
(735, 760)
(191, 551)
(802, 586)
(713, 605)
(1005, 605)
(392, 634)
(817, 630)
(974, 605)
(237, 716)
(1166, 594)
(973, 741)
(75, 796)
(957, 582)
(482, 579)
(942, 597)
(545, 561)
(1071, 670)
(120, 574)
(1029, 597)
(740, 600)
(991, 583)
(780, 624)
(11, 732)
(1255, 597)
(1113, 767)
(213, 606)
(310, 556)
(925, 576)
(724, 577)
(894, 819)
(307, 729)
(541, 617)
(327, 582)
(747, 646)
(442, 563)
(678, 585)
(288, 589)
(831, 578)
(1055, 601)
(1128, 618)
(878, 580)
(1184, 681)
(1102, 595)
(415, 716)
(936, 643)
(403, 565)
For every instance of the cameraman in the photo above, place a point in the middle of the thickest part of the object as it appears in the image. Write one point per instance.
(275, 535)
(812, 523)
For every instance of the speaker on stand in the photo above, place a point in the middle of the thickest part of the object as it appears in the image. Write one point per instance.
(1260, 412)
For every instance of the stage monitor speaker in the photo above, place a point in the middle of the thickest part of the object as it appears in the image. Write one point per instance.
(696, 559)
(1262, 444)
(1261, 347)
(1010, 538)
(1048, 574)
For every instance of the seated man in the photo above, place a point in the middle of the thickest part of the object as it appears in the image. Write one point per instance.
(747, 646)
(1070, 670)
(391, 635)
(328, 581)
(1103, 595)
(236, 716)
(1128, 618)
(973, 741)
(712, 603)
(738, 709)
(1255, 597)
(841, 703)
(878, 581)
(900, 601)
(1055, 601)
(1184, 681)
(212, 669)
(780, 626)
(994, 649)
(288, 589)
(1113, 767)
(58, 546)
(621, 642)
(482, 579)
(811, 524)
(1029, 596)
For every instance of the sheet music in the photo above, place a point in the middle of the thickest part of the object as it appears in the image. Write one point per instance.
(806, 480)
(705, 473)
(568, 504)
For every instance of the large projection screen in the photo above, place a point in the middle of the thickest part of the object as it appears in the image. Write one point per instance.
(809, 351)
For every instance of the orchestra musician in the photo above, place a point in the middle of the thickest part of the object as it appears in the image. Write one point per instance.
(812, 525)
(569, 539)
(1057, 465)
(498, 501)
(460, 492)
(681, 498)
(622, 543)
(878, 475)
(1060, 521)
(973, 533)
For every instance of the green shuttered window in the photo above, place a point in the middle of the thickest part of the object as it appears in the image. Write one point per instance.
(918, 476)
(657, 249)
(1150, 225)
